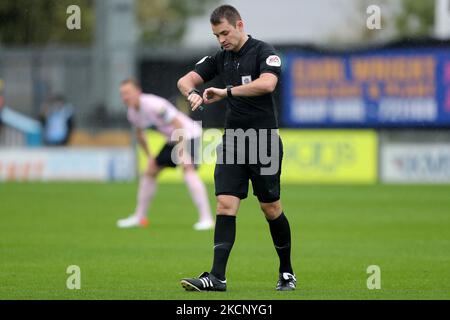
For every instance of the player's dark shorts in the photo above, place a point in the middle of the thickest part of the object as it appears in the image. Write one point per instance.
(232, 177)
(164, 158)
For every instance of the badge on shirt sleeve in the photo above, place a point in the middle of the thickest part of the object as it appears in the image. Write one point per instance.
(202, 60)
(273, 61)
(246, 79)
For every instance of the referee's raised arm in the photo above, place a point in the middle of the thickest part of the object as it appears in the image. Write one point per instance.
(187, 86)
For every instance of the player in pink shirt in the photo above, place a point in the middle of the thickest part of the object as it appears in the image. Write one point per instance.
(148, 110)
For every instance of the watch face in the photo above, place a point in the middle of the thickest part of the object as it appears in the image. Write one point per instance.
(193, 91)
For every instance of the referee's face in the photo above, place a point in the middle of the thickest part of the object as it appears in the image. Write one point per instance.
(230, 37)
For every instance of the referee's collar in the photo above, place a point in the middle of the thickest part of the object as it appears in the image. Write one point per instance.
(245, 46)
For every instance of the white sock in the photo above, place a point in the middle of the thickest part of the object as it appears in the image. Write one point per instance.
(199, 195)
(147, 188)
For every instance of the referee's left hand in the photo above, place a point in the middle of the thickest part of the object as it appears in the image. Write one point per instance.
(195, 100)
(212, 95)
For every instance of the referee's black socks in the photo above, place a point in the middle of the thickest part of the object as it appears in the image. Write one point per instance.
(281, 236)
(224, 235)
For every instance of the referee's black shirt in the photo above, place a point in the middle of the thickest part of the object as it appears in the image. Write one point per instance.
(238, 68)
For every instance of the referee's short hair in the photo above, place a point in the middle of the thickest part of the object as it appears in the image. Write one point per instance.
(132, 81)
(225, 12)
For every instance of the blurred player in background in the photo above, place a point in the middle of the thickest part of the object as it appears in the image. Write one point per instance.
(145, 110)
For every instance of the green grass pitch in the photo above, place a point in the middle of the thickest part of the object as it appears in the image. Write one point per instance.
(338, 231)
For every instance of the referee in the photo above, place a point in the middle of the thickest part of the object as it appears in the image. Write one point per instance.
(249, 68)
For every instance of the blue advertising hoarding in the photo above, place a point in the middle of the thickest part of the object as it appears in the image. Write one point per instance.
(385, 88)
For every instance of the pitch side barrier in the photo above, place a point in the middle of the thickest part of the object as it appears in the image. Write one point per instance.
(310, 156)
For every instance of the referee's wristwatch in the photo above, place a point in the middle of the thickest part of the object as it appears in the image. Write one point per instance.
(194, 91)
(229, 94)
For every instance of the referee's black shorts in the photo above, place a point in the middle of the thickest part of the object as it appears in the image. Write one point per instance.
(232, 177)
